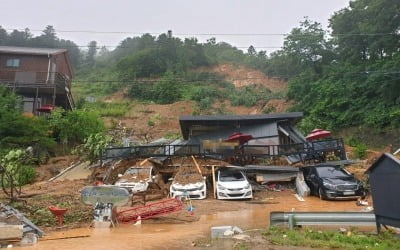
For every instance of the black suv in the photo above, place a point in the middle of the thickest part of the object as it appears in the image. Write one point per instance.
(332, 182)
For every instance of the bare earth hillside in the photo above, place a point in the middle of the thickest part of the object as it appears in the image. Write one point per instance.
(241, 76)
(166, 117)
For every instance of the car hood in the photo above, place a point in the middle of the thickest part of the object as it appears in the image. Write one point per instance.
(189, 186)
(340, 181)
(233, 184)
(132, 180)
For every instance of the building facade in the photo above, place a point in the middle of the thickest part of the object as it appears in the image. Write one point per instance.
(41, 76)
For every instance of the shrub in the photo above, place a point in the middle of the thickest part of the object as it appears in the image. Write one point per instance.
(361, 151)
(74, 126)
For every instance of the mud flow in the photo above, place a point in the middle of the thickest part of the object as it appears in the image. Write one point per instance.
(158, 235)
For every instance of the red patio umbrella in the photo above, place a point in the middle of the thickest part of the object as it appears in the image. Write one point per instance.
(318, 134)
(46, 108)
(240, 137)
(316, 130)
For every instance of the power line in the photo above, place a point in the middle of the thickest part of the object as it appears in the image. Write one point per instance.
(208, 34)
(130, 47)
(183, 80)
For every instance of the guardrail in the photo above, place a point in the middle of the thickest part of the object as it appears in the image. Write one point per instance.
(293, 219)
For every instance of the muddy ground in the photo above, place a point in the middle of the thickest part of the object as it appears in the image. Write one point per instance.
(180, 230)
(184, 230)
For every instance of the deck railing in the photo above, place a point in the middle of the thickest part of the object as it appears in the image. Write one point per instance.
(303, 150)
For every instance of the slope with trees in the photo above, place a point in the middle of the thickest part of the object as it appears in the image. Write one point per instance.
(348, 77)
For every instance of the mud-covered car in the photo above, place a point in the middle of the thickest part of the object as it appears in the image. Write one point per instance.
(233, 184)
(136, 178)
(188, 183)
(332, 182)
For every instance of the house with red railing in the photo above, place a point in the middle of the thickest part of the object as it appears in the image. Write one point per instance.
(41, 76)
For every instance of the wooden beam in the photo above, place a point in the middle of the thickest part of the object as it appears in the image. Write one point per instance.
(11, 232)
(213, 176)
(54, 95)
(35, 102)
(143, 162)
(197, 165)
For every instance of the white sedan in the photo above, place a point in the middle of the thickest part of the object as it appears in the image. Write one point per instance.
(233, 184)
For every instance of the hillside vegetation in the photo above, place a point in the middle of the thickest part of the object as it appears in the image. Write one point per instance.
(345, 77)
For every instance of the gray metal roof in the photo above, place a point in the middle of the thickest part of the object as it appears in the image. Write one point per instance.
(279, 116)
(30, 51)
(380, 159)
(186, 122)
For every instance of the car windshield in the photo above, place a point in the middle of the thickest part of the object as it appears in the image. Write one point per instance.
(331, 172)
(231, 176)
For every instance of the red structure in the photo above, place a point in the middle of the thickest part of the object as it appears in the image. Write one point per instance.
(318, 133)
(239, 137)
(152, 210)
(59, 213)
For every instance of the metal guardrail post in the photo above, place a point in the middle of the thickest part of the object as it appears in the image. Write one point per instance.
(292, 223)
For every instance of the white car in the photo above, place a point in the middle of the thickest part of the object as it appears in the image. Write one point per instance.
(233, 184)
(136, 179)
(188, 183)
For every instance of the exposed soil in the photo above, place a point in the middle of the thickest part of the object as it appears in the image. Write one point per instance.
(53, 167)
(187, 175)
(277, 105)
(166, 117)
(241, 76)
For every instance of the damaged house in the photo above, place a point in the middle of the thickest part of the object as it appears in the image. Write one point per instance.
(268, 135)
(242, 137)
(41, 76)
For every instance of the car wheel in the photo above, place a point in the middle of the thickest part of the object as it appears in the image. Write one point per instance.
(321, 194)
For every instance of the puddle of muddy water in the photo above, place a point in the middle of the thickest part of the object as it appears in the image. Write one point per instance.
(173, 236)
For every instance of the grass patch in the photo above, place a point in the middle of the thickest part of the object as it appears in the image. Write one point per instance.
(37, 210)
(331, 239)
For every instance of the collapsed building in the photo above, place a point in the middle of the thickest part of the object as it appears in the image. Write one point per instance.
(267, 136)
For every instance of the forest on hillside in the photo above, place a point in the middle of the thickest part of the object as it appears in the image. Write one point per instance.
(342, 77)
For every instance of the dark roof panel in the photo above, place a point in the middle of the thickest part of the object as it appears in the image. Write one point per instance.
(380, 159)
(292, 115)
(30, 51)
(186, 122)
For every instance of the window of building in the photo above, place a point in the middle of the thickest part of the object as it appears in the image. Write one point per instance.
(12, 62)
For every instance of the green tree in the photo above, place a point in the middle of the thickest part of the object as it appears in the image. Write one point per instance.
(17, 130)
(167, 90)
(90, 57)
(72, 127)
(367, 30)
(15, 172)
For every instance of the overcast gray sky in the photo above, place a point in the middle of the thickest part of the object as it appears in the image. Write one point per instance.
(187, 17)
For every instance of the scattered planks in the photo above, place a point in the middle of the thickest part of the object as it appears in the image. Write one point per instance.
(10, 232)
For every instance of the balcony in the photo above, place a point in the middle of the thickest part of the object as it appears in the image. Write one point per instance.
(34, 79)
(53, 86)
